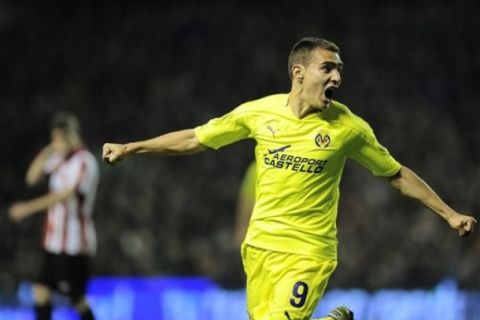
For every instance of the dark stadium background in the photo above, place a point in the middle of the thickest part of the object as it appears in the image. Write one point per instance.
(138, 70)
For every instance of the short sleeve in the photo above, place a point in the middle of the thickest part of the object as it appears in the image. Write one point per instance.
(84, 172)
(89, 177)
(225, 130)
(367, 151)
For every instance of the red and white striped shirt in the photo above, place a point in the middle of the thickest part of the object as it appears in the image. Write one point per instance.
(69, 226)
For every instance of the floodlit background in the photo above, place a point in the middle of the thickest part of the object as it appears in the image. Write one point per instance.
(136, 71)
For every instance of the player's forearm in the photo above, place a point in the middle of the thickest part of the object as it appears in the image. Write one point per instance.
(35, 170)
(175, 143)
(181, 142)
(411, 185)
(44, 202)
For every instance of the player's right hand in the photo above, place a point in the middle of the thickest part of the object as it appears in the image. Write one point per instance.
(18, 211)
(113, 152)
(463, 224)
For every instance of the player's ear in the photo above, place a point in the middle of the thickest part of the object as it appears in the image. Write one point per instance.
(298, 72)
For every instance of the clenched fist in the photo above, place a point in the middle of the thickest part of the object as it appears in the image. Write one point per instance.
(463, 224)
(113, 152)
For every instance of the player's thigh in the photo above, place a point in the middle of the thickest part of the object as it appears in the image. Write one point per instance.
(66, 274)
(259, 285)
(77, 275)
(283, 285)
(46, 274)
(300, 282)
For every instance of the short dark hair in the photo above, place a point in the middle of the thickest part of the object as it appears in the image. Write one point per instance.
(300, 53)
(65, 121)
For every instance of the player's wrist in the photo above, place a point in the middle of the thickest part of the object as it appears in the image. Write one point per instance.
(129, 148)
(450, 215)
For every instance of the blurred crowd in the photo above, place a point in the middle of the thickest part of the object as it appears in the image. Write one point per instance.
(139, 70)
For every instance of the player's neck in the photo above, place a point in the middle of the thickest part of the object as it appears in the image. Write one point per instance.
(299, 107)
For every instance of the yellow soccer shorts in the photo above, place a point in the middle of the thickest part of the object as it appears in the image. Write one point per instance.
(284, 286)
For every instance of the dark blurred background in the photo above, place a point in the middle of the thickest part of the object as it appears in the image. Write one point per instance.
(138, 70)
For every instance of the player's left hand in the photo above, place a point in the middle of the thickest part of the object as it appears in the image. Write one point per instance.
(18, 211)
(463, 224)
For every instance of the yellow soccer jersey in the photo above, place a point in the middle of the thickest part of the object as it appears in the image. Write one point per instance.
(299, 166)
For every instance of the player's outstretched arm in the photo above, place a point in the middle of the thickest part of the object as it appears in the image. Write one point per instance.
(181, 142)
(411, 185)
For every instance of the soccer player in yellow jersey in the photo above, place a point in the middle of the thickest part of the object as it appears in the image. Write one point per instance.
(303, 140)
(245, 203)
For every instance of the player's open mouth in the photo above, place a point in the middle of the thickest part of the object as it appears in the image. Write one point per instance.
(329, 92)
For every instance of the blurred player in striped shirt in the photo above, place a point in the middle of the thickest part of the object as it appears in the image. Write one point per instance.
(69, 239)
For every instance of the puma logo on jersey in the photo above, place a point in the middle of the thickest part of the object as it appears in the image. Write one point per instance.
(322, 141)
(270, 128)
